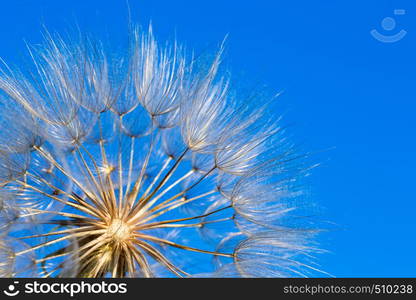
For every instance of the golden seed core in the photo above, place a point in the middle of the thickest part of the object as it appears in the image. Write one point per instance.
(118, 230)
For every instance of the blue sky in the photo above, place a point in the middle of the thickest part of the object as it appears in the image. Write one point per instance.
(343, 89)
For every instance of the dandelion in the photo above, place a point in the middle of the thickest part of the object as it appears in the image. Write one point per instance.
(143, 165)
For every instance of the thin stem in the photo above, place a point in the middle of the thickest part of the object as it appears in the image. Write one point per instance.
(47, 275)
(79, 207)
(42, 260)
(142, 202)
(91, 175)
(91, 210)
(120, 167)
(160, 258)
(165, 165)
(173, 205)
(200, 224)
(141, 260)
(60, 213)
(137, 185)
(95, 243)
(105, 160)
(172, 244)
(186, 190)
(97, 170)
(56, 241)
(85, 229)
(133, 139)
(154, 200)
(49, 158)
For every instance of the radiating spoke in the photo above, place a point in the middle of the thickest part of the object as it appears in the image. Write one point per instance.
(170, 243)
(160, 258)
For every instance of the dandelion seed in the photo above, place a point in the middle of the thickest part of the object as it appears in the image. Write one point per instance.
(142, 166)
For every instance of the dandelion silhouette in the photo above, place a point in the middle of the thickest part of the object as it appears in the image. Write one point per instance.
(143, 166)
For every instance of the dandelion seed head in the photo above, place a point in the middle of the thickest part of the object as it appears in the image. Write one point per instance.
(143, 165)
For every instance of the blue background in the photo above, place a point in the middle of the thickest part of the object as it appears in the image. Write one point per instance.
(347, 93)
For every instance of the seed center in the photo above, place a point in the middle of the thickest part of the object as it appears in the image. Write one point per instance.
(118, 230)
